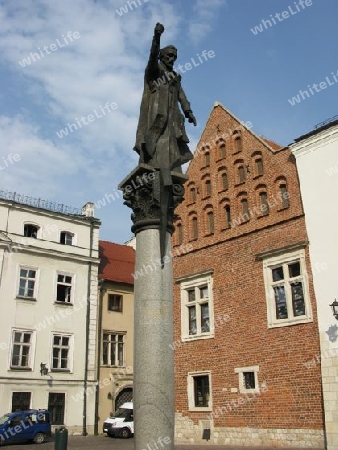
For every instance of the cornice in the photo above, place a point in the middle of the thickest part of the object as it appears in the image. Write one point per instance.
(314, 142)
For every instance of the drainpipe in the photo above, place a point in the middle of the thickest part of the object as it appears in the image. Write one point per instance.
(84, 422)
(98, 362)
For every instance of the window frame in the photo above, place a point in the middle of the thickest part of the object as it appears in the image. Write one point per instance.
(36, 281)
(72, 284)
(67, 233)
(192, 394)
(120, 309)
(32, 224)
(52, 408)
(241, 379)
(285, 259)
(186, 285)
(116, 343)
(30, 362)
(70, 353)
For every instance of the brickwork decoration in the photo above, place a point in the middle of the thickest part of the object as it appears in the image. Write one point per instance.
(242, 205)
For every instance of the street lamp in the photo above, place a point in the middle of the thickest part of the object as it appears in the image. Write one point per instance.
(334, 307)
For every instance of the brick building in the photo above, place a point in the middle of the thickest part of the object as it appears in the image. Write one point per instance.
(245, 311)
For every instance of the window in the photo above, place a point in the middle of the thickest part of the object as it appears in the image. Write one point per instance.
(208, 188)
(64, 288)
(115, 302)
(222, 151)
(248, 379)
(194, 228)
(21, 401)
(21, 349)
(197, 308)
(199, 389)
(241, 174)
(264, 203)
(227, 212)
(179, 234)
(66, 238)
(113, 349)
(192, 195)
(238, 144)
(287, 289)
(207, 159)
(27, 283)
(224, 181)
(56, 406)
(245, 210)
(259, 167)
(284, 196)
(30, 230)
(210, 222)
(61, 352)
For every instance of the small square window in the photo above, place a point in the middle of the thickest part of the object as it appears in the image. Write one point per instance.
(248, 379)
(66, 238)
(115, 302)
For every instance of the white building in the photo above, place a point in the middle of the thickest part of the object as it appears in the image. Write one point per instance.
(48, 271)
(317, 162)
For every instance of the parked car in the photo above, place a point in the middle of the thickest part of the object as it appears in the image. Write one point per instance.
(33, 425)
(121, 423)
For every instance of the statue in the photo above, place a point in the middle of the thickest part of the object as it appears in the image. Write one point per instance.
(161, 140)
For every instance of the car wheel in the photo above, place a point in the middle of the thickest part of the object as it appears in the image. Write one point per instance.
(39, 438)
(125, 433)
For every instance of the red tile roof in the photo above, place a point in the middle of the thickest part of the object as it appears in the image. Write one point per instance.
(117, 262)
(272, 144)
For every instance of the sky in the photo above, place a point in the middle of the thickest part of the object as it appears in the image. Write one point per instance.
(62, 60)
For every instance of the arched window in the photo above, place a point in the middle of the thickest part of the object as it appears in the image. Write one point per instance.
(207, 159)
(238, 144)
(264, 203)
(210, 222)
(245, 210)
(30, 230)
(179, 234)
(194, 228)
(259, 167)
(241, 174)
(284, 195)
(227, 212)
(66, 238)
(224, 183)
(207, 188)
(192, 194)
(222, 151)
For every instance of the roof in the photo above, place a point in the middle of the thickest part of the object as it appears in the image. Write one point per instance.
(319, 128)
(271, 143)
(117, 262)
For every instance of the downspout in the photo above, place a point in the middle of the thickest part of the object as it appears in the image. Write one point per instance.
(98, 362)
(84, 422)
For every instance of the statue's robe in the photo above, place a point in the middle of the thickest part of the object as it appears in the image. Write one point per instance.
(161, 140)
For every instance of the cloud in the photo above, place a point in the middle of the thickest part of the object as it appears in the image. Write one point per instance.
(204, 12)
(105, 64)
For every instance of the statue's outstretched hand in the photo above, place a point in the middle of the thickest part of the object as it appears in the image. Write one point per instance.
(159, 29)
(191, 118)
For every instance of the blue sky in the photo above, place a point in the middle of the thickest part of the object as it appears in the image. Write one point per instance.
(253, 75)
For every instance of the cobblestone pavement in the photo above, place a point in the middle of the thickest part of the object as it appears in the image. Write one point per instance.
(107, 443)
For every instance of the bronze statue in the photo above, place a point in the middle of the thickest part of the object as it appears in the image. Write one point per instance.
(161, 140)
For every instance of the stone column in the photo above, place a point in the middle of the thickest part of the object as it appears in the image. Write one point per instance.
(154, 394)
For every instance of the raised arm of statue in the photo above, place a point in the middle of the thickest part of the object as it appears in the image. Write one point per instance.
(155, 48)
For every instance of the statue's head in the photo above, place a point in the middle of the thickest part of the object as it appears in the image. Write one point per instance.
(168, 56)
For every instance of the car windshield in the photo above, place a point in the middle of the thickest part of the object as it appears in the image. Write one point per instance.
(4, 419)
(122, 412)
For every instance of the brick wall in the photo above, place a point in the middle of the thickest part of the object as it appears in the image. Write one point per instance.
(292, 395)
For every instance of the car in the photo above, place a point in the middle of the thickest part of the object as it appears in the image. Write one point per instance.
(32, 425)
(121, 423)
